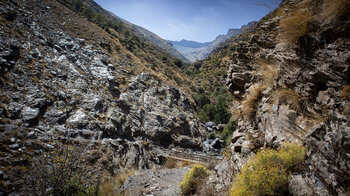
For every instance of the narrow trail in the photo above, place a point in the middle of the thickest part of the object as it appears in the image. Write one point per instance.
(194, 158)
(165, 182)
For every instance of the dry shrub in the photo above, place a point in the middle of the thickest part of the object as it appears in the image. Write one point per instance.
(170, 163)
(278, 12)
(268, 72)
(267, 172)
(250, 104)
(333, 8)
(121, 177)
(173, 163)
(112, 187)
(109, 188)
(345, 94)
(62, 171)
(295, 26)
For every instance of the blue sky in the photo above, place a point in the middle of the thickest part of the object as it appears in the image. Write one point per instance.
(197, 20)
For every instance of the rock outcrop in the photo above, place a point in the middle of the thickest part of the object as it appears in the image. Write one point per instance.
(295, 91)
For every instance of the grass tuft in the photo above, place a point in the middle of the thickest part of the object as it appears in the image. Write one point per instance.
(295, 26)
(345, 94)
(333, 8)
(120, 179)
(249, 105)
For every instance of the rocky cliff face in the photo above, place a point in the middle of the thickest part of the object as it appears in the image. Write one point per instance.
(294, 86)
(65, 79)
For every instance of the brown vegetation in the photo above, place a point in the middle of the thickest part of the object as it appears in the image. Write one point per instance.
(173, 163)
(333, 8)
(295, 25)
(249, 105)
(345, 94)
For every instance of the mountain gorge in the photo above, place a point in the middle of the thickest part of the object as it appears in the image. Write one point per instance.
(68, 78)
(198, 51)
(94, 105)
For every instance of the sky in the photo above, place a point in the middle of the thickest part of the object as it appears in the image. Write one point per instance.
(197, 20)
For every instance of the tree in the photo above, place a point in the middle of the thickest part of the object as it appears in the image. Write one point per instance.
(88, 13)
(78, 4)
(201, 100)
(178, 63)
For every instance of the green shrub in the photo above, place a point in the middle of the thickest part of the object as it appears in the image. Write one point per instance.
(226, 134)
(201, 100)
(217, 113)
(207, 113)
(211, 135)
(201, 90)
(193, 179)
(222, 115)
(178, 63)
(267, 173)
(177, 80)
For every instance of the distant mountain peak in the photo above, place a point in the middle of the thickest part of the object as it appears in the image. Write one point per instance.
(193, 50)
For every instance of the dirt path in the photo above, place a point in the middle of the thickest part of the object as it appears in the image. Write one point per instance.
(164, 182)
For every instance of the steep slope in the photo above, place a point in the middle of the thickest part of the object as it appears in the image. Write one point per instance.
(65, 80)
(290, 79)
(209, 74)
(161, 43)
(143, 33)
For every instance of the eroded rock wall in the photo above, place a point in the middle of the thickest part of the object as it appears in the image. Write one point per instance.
(294, 92)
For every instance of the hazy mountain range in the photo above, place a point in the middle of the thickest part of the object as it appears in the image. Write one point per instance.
(198, 51)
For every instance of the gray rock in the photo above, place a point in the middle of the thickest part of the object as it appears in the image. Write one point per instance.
(80, 84)
(221, 178)
(188, 142)
(78, 120)
(14, 146)
(14, 109)
(210, 124)
(29, 113)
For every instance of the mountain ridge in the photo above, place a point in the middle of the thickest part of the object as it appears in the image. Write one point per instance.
(198, 51)
(140, 31)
